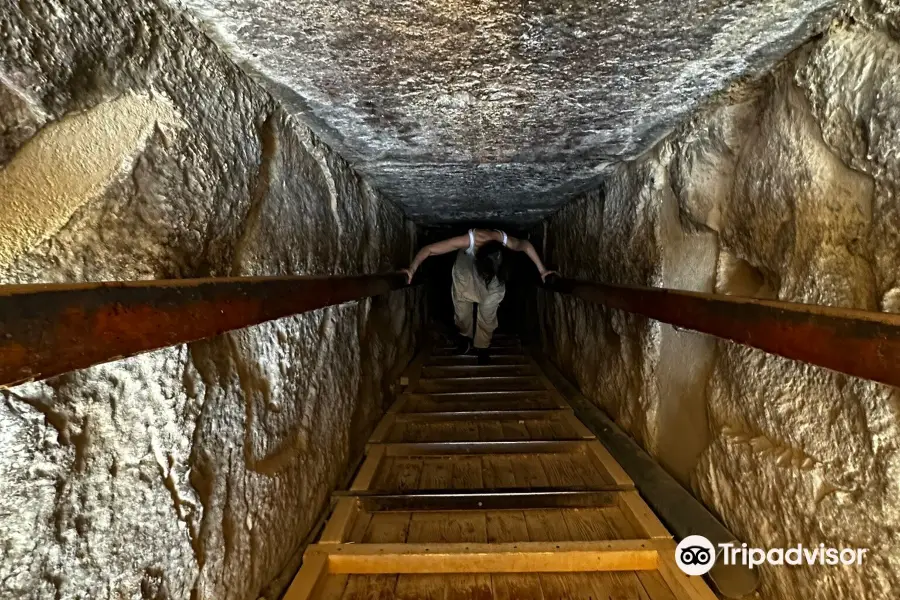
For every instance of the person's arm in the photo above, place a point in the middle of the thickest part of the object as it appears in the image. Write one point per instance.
(526, 247)
(448, 245)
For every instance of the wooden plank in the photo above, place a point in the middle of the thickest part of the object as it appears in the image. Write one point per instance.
(499, 447)
(563, 587)
(467, 473)
(424, 431)
(497, 341)
(420, 587)
(615, 586)
(339, 526)
(310, 579)
(479, 384)
(450, 371)
(333, 588)
(420, 404)
(592, 586)
(542, 429)
(561, 427)
(515, 430)
(578, 429)
(497, 471)
(469, 587)
(641, 517)
(655, 585)
(547, 526)
(521, 557)
(557, 398)
(412, 374)
(520, 586)
(500, 351)
(468, 430)
(437, 587)
(387, 528)
(529, 472)
(490, 430)
(481, 395)
(466, 360)
(490, 499)
(480, 400)
(443, 527)
(447, 527)
(383, 429)
(399, 432)
(484, 417)
(561, 471)
(399, 405)
(506, 526)
(608, 464)
(367, 474)
(360, 526)
(623, 527)
(437, 473)
(588, 525)
(370, 587)
(400, 473)
(587, 467)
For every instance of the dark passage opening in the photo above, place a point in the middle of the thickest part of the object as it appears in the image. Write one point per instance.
(435, 272)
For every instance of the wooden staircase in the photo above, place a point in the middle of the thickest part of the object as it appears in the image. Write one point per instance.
(480, 482)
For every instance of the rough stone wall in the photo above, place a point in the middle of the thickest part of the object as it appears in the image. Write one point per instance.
(788, 188)
(131, 149)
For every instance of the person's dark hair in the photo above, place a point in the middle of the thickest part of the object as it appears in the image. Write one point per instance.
(490, 262)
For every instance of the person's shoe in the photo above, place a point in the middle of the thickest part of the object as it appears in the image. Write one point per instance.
(484, 358)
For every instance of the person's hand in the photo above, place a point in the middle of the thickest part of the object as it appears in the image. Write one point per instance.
(409, 275)
(545, 273)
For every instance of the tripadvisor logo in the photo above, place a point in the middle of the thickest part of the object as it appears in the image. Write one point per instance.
(696, 555)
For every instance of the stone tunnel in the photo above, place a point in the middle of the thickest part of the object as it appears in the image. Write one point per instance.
(744, 149)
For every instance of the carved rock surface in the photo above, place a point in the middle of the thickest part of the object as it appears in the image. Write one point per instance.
(788, 188)
(499, 110)
(198, 470)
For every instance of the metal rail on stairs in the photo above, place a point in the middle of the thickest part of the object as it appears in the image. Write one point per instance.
(49, 329)
(856, 342)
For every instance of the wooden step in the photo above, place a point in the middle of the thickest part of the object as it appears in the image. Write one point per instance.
(500, 351)
(480, 415)
(496, 342)
(494, 370)
(480, 482)
(478, 401)
(479, 384)
(498, 427)
(401, 468)
(471, 359)
(486, 499)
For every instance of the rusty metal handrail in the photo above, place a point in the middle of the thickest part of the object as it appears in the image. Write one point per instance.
(49, 329)
(856, 342)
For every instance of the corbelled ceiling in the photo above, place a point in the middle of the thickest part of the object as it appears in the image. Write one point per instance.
(499, 109)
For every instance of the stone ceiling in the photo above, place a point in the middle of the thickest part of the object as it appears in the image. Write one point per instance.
(499, 109)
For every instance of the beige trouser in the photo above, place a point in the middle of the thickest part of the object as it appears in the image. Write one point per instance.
(469, 289)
